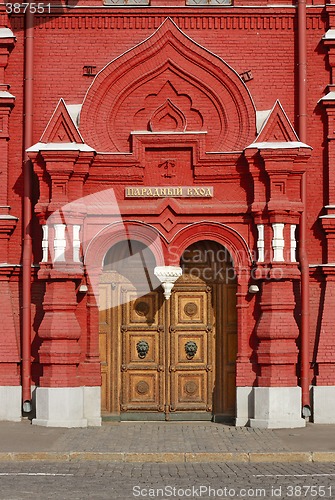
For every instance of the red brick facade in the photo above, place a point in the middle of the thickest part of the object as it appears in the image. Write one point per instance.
(210, 94)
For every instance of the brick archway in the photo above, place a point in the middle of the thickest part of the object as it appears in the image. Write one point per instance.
(165, 383)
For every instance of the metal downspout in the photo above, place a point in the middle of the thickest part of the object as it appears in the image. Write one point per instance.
(27, 211)
(304, 349)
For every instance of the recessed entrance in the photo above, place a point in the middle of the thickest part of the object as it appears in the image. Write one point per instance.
(168, 359)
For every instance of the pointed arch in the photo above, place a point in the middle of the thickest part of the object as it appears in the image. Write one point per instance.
(228, 237)
(203, 83)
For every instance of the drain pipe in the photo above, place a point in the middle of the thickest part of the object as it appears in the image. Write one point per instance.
(27, 211)
(304, 349)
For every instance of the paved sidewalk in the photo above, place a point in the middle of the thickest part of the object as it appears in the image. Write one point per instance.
(167, 442)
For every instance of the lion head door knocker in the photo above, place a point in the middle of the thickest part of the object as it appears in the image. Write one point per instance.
(191, 349)
(142, 348)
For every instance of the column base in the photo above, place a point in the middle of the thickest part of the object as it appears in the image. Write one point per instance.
(92, 406)
(244, 406)
(11, 403)
(277, 408)
(323, 398)
(67, 406)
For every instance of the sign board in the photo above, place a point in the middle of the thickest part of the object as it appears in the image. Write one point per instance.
(169, 192)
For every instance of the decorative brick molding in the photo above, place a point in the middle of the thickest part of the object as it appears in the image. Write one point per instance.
(189, 79)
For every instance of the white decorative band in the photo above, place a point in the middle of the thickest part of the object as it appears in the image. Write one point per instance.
(293, 243)
(260, 242)
(59, 242)
(76, 243)
(45, 243)
(278, 242)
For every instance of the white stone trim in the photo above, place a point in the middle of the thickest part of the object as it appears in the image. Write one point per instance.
(92, 405)
(59, 146)
(278, 145)
(260, 242)
(68, 406)
(45, 243)
(133, 3)
(329, 35)
(6, 95)
(328, 97)
(168, 275)
(74, 111)
(278, 242)
(203, 3)
(323, 398)
(244, 406)
(6, 33)
(11, 401)
(277, 408)
(59, 242)
(76, 243)
(293, 243)
(261, 118)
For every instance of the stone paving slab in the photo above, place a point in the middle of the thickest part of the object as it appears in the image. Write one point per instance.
(154, 437)
(165, 442)
(166, 458)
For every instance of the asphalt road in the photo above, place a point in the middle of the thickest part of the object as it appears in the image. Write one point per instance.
(105, 480)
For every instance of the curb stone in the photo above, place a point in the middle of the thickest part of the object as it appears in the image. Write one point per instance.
(200, 457)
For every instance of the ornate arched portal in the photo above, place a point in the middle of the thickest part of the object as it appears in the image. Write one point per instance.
(165, 152)
(168, 359)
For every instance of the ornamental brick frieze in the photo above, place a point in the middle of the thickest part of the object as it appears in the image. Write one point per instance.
(271, 18)
(277, 169)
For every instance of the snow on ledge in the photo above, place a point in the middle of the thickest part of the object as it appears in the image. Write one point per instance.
(6, 95)
(278, 145)
(329, 35)
(328, 97)
(59, 146)
(6, 33)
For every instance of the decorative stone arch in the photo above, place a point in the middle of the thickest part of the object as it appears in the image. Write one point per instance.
(168, 81)
(119, 231)
(214, 231)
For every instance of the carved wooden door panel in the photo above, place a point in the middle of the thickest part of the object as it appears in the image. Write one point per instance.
(167, 350)
(190, 347)
(170, 357)
(143, 353)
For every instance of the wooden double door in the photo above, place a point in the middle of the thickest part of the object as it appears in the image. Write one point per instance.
(168, 359)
